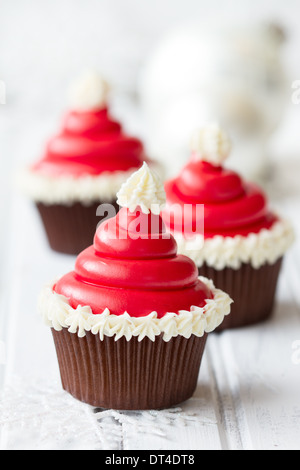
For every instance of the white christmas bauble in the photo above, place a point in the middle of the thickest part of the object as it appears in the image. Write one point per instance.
(231, 74)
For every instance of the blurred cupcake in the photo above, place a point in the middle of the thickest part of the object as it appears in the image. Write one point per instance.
(83, 166)
(130, 323)
(237, 240)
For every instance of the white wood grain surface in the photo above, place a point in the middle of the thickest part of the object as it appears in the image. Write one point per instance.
(249, 383)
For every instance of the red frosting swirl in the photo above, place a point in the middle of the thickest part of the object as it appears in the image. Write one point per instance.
(133, 267)
(90, 143)
(231, 205)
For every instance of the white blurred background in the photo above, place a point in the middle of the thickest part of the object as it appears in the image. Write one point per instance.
(45, 44)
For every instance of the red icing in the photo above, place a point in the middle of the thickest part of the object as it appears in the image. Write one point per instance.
(90, 143)
(231, 205)
(138, 275)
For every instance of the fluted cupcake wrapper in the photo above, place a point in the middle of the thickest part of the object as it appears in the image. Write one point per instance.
(129, 375)
(252, 290)
(70, 228)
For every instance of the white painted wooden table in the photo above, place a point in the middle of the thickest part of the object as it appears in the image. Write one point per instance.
(248, 395)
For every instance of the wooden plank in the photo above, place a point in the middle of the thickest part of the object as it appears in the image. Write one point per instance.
(262, 381)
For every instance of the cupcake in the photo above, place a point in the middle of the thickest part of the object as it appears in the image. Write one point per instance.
(83, 166)
(236, 240)
(130, 323)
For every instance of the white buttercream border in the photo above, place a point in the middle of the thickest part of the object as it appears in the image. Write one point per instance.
(219, 252)
(69, 189)
(58, 314)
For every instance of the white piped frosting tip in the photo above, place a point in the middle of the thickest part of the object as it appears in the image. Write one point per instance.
(211, 144)
(88, 92)
(143, 189)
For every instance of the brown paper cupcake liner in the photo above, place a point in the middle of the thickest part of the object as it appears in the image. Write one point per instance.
(128, 375)
(252, 290)
(70, 229)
